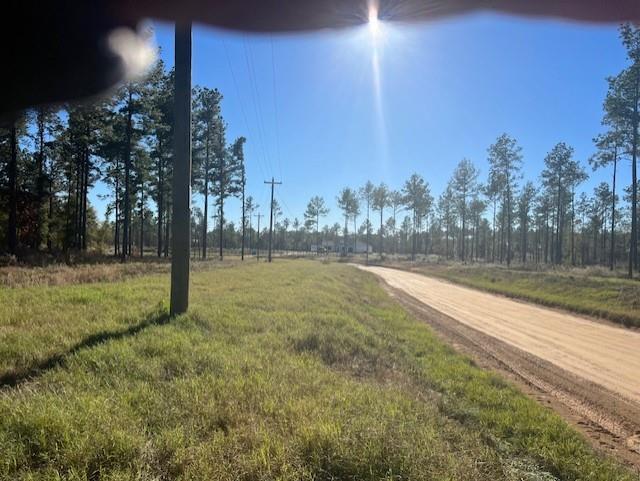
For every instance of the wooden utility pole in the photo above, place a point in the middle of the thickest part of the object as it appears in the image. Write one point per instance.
(258, 238)
(273, 183)
(181, 218)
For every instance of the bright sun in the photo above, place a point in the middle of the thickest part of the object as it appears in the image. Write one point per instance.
(374, 22)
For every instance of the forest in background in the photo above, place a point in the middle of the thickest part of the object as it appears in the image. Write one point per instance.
(51, 157)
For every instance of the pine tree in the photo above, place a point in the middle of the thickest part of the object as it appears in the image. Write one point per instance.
(464, 183)
(418, 200)
(609, 147)
(209, 144)
(380, 201)
(622, 114)
(159, 117)
(366, 194)
(238, 154)
(525, 200)
(347, 200)
(560, 176)
(505, 161)
(316, 208)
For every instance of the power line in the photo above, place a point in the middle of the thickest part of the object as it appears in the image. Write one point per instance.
(275, 106)
(242, 109)
(286, 206)
(255, 97)
(265, 193)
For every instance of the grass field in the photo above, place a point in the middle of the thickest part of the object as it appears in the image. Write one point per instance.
(296, 370)
(580, 291)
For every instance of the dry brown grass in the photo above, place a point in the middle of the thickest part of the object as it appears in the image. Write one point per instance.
(107, 270)
(61, 274)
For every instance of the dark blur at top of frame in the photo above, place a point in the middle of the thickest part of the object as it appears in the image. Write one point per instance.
(57, 51)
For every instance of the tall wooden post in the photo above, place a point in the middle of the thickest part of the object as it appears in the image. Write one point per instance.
(273, 183)
(181, 218)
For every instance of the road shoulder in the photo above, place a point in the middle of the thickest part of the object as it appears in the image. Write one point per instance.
(610, 424)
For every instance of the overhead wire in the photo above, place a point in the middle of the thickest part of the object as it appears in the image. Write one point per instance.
(286, 206)
(244, 114)
(275, 107)
(255, 97)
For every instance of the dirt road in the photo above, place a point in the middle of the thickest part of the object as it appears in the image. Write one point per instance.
(592, 368)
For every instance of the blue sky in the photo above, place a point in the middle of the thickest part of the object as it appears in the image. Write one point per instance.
(317, 116)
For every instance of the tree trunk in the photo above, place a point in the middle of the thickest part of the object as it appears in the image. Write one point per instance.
(368, 226)
(67, 233)
(160, 188)
(558, 234)
(633, 244)
(463, 235)
(167, 231)
(40, 180)
(493, 237)
(85, 195)
(613, 213)
(502, 236)
(317, 229)
(381, 232)
(221, 219)
(446, 237)
(546, 235)
(12, 174)
(525, 232)
(413, 237)
(141, 221)
(573, 229)
(508, 224)
(77, 214)
(127, 173)
(346, 219)
(395, 231)
(206, 196)
(206, 215)
(116, 236)
(243, 219)
(355, 234)
(50, 216)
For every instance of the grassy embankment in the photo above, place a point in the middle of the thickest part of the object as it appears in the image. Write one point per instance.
(581, 291)
(295, 370)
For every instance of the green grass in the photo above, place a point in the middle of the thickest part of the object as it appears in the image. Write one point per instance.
(290, 371)
(608, 297)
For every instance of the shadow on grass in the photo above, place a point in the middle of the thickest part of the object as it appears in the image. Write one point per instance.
(15, 378)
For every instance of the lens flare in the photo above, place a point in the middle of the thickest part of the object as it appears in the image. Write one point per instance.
(374, 21)
(375, 33)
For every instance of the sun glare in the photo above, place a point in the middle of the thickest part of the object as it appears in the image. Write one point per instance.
(374, 22)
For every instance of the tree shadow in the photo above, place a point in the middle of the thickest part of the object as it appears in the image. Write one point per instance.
(15, 378)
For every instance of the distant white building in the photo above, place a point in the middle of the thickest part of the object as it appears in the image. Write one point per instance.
(340, 248)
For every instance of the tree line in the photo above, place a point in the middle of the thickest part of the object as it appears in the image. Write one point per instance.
(52, 157)
(498, 219)
(502, 218)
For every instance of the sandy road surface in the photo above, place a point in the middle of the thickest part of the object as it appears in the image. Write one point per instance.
(585, 370)
(599, 353)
